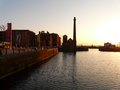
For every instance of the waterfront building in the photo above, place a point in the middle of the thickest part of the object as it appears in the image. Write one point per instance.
(20, 38)
(55, 40)
(51, 40)
(27, 38)
(64, 44)
(64, 39)
(23, 38)
(45, 39)
(74, 33)
(6, 36)
(37, 40)
(2, 36)
(59, 41)
(107, 44)
(70, 45)
(9, 33)
(48, 40)
(17, 38)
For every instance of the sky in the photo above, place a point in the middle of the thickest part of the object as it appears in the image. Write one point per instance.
(98, 21)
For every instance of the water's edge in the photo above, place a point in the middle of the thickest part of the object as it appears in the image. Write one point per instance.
(11, 64)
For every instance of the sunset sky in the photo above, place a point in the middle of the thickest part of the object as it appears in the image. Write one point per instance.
(98, 21)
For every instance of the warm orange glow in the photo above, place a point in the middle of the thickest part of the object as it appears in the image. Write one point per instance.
(109, 31)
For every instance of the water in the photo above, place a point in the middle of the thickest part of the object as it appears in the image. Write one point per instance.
(91, 70)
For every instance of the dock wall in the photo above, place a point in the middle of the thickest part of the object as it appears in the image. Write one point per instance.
(11, 64)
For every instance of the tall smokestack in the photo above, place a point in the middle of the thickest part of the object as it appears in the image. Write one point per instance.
(9, 33)
(74, 33)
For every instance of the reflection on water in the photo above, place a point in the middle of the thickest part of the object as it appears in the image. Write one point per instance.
(91, 70)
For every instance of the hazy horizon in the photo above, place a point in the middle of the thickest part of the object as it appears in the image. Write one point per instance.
(98, 21)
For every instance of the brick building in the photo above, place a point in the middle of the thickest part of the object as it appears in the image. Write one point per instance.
(56, 40)
(48, 40)
(45, 39)
(2, 36)
(20, 38)
(27, 38)
(23, 38)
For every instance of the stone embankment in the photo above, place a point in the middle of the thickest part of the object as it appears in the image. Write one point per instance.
(10, 64)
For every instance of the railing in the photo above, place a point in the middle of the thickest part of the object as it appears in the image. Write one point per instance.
(17, 50)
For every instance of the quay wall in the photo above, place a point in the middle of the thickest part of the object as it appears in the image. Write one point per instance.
(10, 64)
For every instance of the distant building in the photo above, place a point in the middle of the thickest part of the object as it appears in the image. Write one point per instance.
(48, 40)
(67, 45)
(64, 39)
(70, 45)
(55, 40)
(109, 45)
(74, 34)
(59, 42)
(45, 39)
(51, 41)
(38, 40)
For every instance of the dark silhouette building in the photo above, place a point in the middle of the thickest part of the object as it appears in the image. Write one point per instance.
(56, 42)
(74, 33)
(9, 33)
(48, 40)
(107, 44)
(6, 36)
(67, 45)
(2, 36)
(70, 45)
(45, 40)
(64, 39)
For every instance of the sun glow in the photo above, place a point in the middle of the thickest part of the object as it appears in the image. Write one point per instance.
(109, 31)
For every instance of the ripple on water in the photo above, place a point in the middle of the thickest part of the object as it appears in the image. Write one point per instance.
(91, 70)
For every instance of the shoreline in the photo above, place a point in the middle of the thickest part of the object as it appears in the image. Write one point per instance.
(11, 64)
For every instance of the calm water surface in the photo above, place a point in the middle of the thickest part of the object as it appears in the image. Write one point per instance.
(91, 70)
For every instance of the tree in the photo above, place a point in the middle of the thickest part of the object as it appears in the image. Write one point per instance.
(2, 27)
